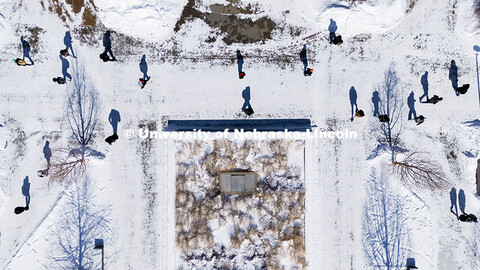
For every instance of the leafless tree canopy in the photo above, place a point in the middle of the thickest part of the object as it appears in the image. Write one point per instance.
(83, 106)
(416, 169)
(71, 167)
(386, 237)
(80, 223)
(391, 104)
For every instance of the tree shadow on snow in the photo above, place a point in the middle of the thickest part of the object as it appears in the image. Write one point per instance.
(383, 148)
(386, 237)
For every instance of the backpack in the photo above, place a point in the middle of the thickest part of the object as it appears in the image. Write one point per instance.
(383, 118)
(20, 62)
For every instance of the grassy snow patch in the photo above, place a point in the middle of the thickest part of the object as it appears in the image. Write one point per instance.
(263, 230)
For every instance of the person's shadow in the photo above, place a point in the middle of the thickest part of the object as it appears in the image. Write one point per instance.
(144, 68)
(65, 66)
(453, 201)
(239, 61)
(26, 50)
(353, 100)
(424, 82)
(411, 106)
(67, 40)
(375, 101)
(332, 28)
(461, 200)
(303, 57)
(47, 153)
(453, 76)
(107, 43)
(26, 190)
(114, 119)
(246, 97)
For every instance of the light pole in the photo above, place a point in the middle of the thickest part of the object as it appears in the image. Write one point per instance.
(476, 48)
(99, 245)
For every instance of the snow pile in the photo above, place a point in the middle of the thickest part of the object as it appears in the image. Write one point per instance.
(152, 20)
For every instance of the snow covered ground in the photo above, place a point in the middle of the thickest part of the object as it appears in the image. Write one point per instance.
(195, 79)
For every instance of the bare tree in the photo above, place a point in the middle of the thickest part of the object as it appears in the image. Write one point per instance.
(391, 103)
(73, 166)
(80, 223)
(416, 169)
(385, 239)
(83, 109)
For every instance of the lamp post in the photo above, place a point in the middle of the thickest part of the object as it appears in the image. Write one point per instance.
(476, 48)
(99, 245)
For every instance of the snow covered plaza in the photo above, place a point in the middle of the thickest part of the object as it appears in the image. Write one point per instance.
(239, 134)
